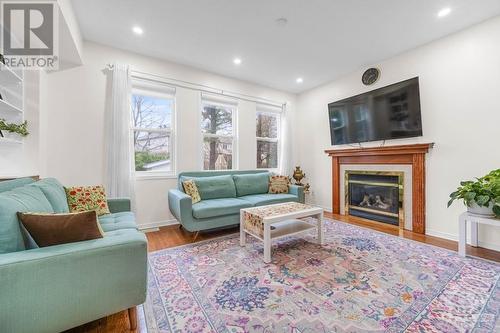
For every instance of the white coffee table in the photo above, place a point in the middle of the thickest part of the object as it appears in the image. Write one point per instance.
(270, 222)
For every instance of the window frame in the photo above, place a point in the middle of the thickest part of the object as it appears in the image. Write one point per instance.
(140, 87)
(233, 106)
(278, 138)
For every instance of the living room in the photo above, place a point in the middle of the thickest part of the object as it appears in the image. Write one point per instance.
(230, 166)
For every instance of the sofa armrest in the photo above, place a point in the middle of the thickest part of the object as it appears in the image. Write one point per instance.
(181, 206)
(117, 205)
(55, 288)
(297, 191)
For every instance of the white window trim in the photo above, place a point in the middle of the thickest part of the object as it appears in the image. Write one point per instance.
(233, 105)
(277, 114)
(146, 175)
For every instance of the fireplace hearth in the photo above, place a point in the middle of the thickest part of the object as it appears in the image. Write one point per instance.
(375, 195)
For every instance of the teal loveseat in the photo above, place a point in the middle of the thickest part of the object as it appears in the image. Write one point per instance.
(52, 289)
(223, 194)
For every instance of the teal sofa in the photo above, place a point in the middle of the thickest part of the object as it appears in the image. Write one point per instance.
(223, 194)
(55, 288)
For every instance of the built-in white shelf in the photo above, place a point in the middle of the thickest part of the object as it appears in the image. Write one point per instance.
(8, 109)
(12, 102)
(8, 77)
(10, 141)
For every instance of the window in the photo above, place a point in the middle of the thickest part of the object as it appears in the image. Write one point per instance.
(268, 133)
(218, 130)
(152, 127)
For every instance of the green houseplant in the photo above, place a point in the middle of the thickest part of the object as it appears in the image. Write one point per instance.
(481, 196)
(21, 129)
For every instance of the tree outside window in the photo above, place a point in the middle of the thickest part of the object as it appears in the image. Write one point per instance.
(218, 137)
(267, 140)
(152, 131)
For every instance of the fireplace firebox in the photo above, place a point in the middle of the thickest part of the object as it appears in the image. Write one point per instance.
(375, 195)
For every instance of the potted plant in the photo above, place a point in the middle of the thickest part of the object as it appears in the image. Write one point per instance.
(481, 196)
(20, 129)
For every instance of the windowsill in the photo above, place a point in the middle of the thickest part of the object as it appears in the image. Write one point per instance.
(152, 176)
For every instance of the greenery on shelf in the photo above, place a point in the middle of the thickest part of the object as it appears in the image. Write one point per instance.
(21, 129)
(483, 191)
(143, 158)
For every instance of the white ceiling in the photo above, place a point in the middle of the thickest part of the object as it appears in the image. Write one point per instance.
(323, 39)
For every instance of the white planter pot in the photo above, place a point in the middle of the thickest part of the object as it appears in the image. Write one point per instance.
(483, 211)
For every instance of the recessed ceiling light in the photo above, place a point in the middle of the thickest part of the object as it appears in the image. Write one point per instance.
(137, 30)
(237, 61)
(299, 80)
(444, 12)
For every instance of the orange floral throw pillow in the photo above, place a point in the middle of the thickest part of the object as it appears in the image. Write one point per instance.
(85, 198)
(278, 184)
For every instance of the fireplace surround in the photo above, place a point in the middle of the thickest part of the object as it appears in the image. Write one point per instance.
(412, 155)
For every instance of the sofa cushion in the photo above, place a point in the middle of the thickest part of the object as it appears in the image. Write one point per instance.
(55, 193)
(255, 183)
(21, 199)
(219, 207)
(120, 232)
(214, 187)
(267, 199)
(117, 221)
(8, 185)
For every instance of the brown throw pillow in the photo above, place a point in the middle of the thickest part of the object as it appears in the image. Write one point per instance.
(54, 229)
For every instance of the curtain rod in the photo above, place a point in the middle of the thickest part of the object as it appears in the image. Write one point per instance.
(199, 87)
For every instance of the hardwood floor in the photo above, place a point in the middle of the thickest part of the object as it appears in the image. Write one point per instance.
(174, 236)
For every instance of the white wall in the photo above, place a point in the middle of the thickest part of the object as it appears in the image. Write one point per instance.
(460, 100)
(23, 160)
(73, 129)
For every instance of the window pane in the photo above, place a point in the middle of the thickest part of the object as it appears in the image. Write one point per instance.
(267, 125)
(217, 153)
(267, 154)
(217, 120)
(152, 151)
(151, 112)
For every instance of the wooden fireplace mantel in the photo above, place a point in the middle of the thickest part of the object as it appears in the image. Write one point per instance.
(413, 154)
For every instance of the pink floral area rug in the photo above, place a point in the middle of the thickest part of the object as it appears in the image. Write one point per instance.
(359, 281)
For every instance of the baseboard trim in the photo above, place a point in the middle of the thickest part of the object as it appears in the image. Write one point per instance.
(441, 234)
(327, 209)
(453, 237)
(153, 226)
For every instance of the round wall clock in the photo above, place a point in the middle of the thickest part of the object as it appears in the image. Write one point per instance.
(370, 76)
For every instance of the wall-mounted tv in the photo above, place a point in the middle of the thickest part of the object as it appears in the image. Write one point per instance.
(391, 112)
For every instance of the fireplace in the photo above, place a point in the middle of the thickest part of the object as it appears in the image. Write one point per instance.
(375, 195)
(411, 155)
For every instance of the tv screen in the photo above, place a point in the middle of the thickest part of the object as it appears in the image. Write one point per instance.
(391, 112)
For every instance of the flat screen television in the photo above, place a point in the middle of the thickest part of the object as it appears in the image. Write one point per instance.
(391, 112)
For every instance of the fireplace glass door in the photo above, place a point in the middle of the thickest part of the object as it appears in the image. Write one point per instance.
(376, 196)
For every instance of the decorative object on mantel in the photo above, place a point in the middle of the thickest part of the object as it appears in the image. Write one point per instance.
(298, 175)
(412, 154)
(21, 129)
(482, 196)
(370, 76)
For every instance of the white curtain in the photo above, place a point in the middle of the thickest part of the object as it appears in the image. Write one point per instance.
(119, 176)
(285, 167)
